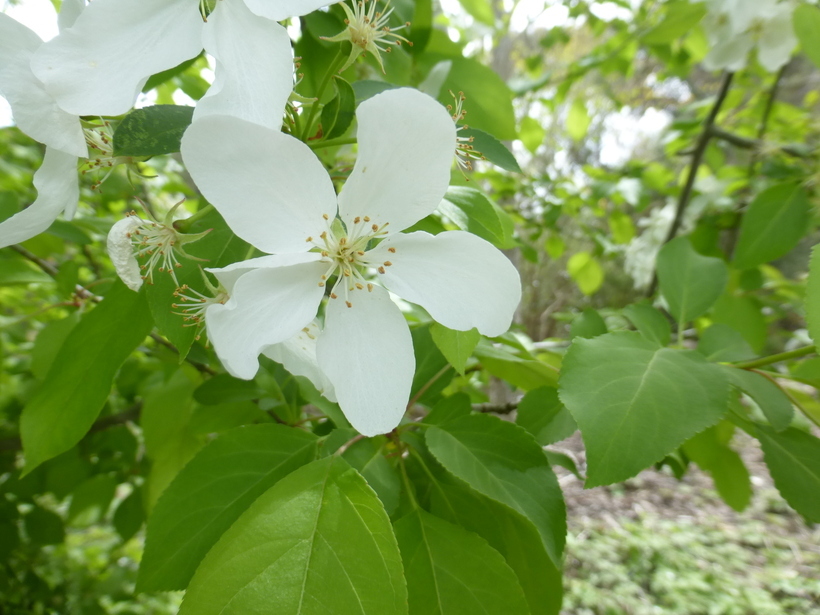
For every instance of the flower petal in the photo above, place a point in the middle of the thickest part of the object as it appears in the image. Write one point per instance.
(229, 274)
(298, 356)
(254, 66)
(57, 190)
(407, 142)
(777, 40)
(121, 252)
(99, 65)
(69, 12)
(282, 9)
(35, 112)
(267, 306)
(367, 353)
(460, 279)
(270, 188)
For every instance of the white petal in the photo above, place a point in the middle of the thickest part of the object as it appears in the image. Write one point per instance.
(57, 190)
(367, 353)
(407, 142)
(460, 279)
(69, 12)
(254, 66)
(35, 112)
(729, 53)
(121, 252)
(270, 188)
(229, 274)
(298, 356)
(777, 41)
(267, 306)
(277, 10)
(99, 65)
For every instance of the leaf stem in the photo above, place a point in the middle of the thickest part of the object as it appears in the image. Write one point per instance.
(776, 358)
(185, 224)
(331, 142)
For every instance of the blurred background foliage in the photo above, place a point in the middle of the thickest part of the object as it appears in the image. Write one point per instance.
(602, 104)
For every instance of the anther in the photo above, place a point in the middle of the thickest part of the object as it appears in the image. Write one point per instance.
(348, 304)
(370, 288)
(326, 217)
(334, 296)
(381, 269)
(367, 218)
(388, 264)
(391, 250)
(359, 286)
(356, 220)
(309, 239)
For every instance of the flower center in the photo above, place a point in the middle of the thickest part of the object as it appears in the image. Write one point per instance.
(346, 253)
(369, 27)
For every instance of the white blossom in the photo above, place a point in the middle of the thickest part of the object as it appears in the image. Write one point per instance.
(274, 193)
(100, 64)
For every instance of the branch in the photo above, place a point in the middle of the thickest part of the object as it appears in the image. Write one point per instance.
(507, 408)
(755, 144)
(697, 159)
(776, 358)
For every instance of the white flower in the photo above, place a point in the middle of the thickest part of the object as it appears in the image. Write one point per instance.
(100, 64)
(735, 27)
(274, 193)
(37, 115)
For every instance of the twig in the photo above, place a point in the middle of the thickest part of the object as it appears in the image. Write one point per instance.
(776, 358)
(507, 408)
(754, 144)
(697, 159)
(427, 385)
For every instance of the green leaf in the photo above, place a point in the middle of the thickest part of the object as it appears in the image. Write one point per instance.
(80, 378)
(621, 227)
(449, 408)
(317, 538)
(722, 343)
(421, 26)
(689, 282)
(542, 414)
(649, 322)
(456, 346)
(507, 531)
(492, 149)
(531, 133)
(793, 458)
(588, 324)
(481, 10)
(152, 131)
(635, 403)
(470, 210)
(44, 527)
(772, 401)
(90, 501)
(368, 88)
(48, 343)
(16, 271)
(433, 372)
(213, 490)
(368, 458)
(710, 450)
(806, 20)
(679, 20)
(129, 516)
(586, 271)
(451, 571)
(578, 120)
(224, 388)
(743, 314)
(502, 461)
(338, 114)
(813, 296)
(526, 374)
(775, 221)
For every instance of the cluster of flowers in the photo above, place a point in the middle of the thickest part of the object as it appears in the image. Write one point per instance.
(736, 27)
(345, 251)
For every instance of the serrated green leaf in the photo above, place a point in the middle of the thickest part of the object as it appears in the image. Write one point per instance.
(772, 225)
(813, 296)
(213, 490)
(635, 402)
(433, 372)
(368, 458)
(449, 408)
(771, 400)
(48, 343)
(16, 271)
(531, 133)
(338, 114)
(80, 378)
(503, 461)
(689, 282)
(678, 21)
(587, 324)
(472, 211)
(492, 149)
(793, 458)
(508, 532)
(451, 571)
(526, 374)
(319, 537)
(152, 131)
(456, 346)
(723, 343)
(587, 272)
(710, 450)
(542, 414)
(806, 20)
(649, 322)
(224, 388)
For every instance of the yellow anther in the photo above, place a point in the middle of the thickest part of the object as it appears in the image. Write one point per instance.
(391, 250)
